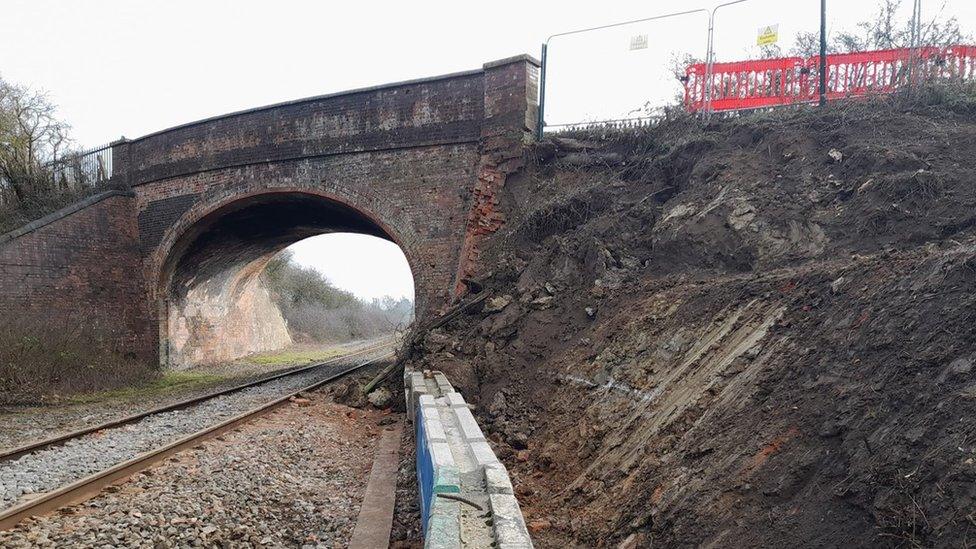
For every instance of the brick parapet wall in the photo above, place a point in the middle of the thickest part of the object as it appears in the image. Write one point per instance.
(79, 269)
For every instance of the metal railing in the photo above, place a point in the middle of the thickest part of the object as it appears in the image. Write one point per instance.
(73, 171)
(81, 169)
(618, 124)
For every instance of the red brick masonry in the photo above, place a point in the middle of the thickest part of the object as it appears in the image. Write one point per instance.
(416, 162)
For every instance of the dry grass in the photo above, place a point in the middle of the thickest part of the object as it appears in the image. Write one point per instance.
(47, 361)
(15, 214)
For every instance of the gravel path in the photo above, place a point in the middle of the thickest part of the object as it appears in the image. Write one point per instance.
(24, 424)
(49, 469)
(294, 478)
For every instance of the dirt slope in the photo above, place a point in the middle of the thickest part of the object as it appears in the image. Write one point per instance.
(760, 333)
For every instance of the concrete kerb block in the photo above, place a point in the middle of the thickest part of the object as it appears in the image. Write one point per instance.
(417, 381)
(416, 393)
(497, 480)
(407, 390)
(440, 454)
(483, 454)
(443, 525)
(507, 522)
(442, 383)
(455, 400)
(447, 480)
(469, 426)
(433, 428)
(426, 401)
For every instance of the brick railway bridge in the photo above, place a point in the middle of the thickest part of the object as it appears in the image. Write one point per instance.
(159, 269)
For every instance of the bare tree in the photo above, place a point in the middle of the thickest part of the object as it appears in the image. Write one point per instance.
(30, 136)
(886, 30)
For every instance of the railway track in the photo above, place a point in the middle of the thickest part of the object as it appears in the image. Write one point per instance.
(90, 485)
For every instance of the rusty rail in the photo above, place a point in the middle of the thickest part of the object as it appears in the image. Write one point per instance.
(91, 485)
(15, 453)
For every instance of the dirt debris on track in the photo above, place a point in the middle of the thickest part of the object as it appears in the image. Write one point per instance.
(294, 478)
(757, 333)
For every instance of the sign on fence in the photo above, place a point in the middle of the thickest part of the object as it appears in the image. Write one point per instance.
(768, 35)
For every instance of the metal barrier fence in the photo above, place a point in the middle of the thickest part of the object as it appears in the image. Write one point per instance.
(81, 169)
(764, 83)
(612, 85)
(71, 172)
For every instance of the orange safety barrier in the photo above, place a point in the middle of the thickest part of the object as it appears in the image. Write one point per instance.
(744, 85)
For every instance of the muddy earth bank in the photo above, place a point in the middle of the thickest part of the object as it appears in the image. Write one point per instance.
(757, 333)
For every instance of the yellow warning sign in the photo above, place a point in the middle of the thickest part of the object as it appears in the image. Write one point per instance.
(768, 35)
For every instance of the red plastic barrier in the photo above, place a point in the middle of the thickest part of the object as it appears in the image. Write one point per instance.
(761, 83)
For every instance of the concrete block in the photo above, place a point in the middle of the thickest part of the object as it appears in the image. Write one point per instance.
(443, 525)
(417, 380)
(483, 454)
(434, 429)
(447, 480)
(469, 426)
(455, 400)
(440, 454)
(497, 480)
(508, 523)
(415, 395)
(442, 383)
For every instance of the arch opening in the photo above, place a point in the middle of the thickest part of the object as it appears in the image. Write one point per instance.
(215, 303)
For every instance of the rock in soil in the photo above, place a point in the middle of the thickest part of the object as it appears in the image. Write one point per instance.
(782, 354)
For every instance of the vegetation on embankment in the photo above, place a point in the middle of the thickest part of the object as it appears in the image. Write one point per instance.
(31, 137)
(318, 312)
(755, 332)
(46, 361)
(294, 356)
(161, 385)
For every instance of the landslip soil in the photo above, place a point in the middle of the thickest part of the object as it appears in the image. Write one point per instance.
(757, 333)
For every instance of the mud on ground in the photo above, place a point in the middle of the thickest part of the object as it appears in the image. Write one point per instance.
(759, 333)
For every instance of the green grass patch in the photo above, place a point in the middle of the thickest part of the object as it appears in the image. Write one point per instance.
(293, 356)
(166, 383)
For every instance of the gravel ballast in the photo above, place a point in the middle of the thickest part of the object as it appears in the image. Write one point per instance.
(26, 424)
(294, 478)
(52, 468)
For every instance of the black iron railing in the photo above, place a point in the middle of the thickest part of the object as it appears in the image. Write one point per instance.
(87, 168)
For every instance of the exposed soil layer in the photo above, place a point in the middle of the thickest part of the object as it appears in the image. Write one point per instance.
(757, 333)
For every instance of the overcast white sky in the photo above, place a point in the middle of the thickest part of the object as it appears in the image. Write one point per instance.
(367, 266)
(130, 67)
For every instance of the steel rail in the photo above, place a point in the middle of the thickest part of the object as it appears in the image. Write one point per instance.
(17, 452)
(88, 487)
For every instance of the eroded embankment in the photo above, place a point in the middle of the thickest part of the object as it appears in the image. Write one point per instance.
(757, 333)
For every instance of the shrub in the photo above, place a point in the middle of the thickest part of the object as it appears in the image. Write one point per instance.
(41, 360)
(317, 311)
